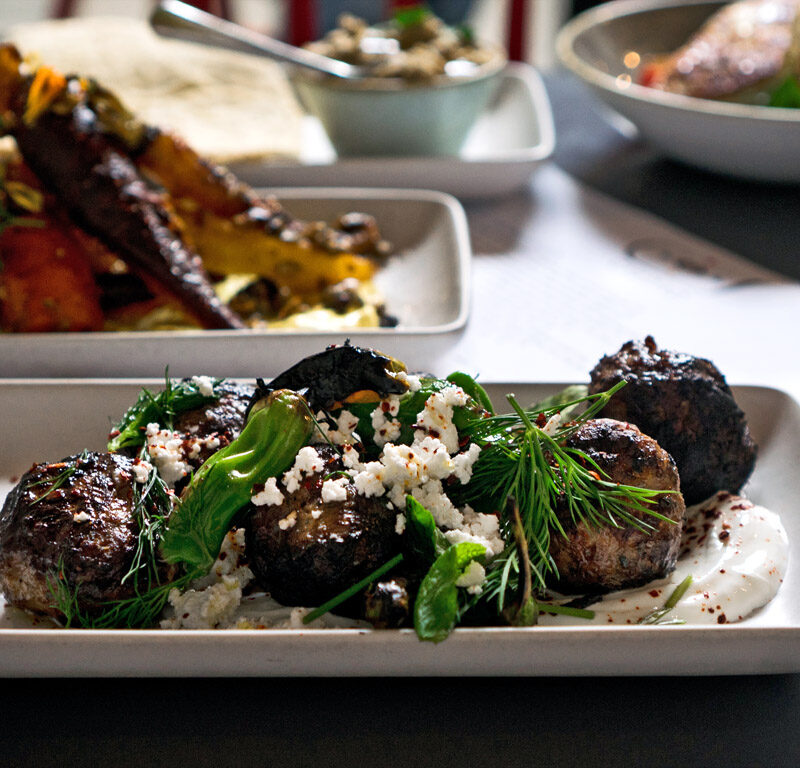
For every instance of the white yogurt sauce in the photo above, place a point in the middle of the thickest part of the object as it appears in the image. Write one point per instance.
(736, 553)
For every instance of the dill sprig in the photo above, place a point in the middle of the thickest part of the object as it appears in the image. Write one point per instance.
(152, 505)
(524, 456)
(175, 398)
(140, 610)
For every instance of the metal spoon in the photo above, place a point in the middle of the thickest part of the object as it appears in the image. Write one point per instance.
(172, 18)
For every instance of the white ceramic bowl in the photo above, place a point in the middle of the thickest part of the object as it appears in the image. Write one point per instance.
(392, 117)
(752, 142)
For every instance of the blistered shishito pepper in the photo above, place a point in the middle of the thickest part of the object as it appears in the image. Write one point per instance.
(266, 447)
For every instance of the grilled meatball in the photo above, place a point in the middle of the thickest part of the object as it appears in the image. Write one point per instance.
(599, 559)
(223, 420)
(73, 519)
(305, 551)
(684, 403)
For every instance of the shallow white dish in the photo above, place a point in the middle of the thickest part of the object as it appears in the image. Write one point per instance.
(426, 284)
(78, 414)
(751, 142)
(513, 136)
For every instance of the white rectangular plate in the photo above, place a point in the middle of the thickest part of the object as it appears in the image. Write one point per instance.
(48, 420)
(426, 284)
(513, 136)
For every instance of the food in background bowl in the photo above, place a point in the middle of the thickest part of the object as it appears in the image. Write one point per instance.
(425, 85)
(748, 51)
(107, 223)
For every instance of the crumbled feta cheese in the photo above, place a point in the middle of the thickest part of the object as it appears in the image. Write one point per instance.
(205, 384)
(421, 468)
(552, 425)
(385, 427)
(207, 608)
(307, 462)
(369, 481)
(437, 416)
(351, 458)
(165, 449)
(462, 463)
(335, 489)
(81, 517)
(343, 434)
(400, 524)
(433, 498)
(480, 529)
(141, 471)
(414, 382)
(472, 578)
(217, 600)
(269, 496)
(196, 445)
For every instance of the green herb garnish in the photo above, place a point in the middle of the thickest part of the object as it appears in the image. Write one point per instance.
(523, 460)
(175, 398)
(656, 616)
(411, 16)
(436, 608)
(787, 94)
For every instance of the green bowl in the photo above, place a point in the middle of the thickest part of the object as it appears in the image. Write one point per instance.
(390, 117)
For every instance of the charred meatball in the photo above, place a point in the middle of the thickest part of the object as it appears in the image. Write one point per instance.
(593, 559)
(305, 550)
(684, 403)
(74, 520)
(223, 420)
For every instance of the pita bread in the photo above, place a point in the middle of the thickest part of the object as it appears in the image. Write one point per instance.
(228, 106)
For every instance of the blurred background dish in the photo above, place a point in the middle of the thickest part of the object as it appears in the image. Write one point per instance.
(609, 46)
(196, 91)
(426, 84)
(426, 284)
(511, 138)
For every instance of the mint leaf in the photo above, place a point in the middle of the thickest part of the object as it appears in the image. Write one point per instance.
(436, 608)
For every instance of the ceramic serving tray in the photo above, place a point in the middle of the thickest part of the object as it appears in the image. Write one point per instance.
(426, 284)
(46, 420)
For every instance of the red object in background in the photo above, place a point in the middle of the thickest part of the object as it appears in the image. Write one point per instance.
(65, 8)
(302, 27)
(517, 22)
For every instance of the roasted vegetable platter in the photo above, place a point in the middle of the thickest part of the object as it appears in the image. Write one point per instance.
(762, 643)
(426, 285)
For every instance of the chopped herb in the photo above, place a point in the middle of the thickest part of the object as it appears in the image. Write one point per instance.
(656, 616)
(411, 16)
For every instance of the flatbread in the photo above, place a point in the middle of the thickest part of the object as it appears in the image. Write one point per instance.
(228, 106)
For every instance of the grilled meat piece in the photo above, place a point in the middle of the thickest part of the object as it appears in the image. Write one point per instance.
(596, 560)
(222, 420)
(72, 520)
(684, 403)
(742, 48)
(305, 550)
